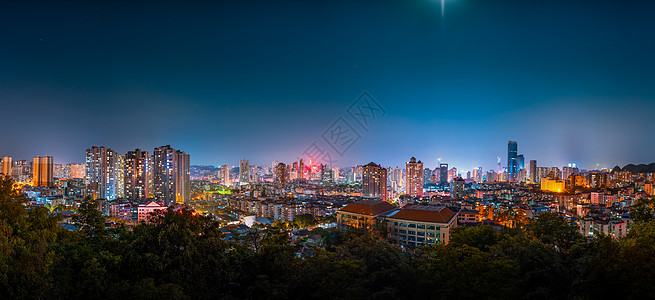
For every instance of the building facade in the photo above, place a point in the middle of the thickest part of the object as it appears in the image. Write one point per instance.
(42, 172)
(374, 181)
(414, 178)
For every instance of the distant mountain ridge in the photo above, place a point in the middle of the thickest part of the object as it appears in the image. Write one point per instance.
(642, 168)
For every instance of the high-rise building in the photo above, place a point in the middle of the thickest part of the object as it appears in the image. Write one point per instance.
(477, 174)
(597, 180)
(225, 175)
(120, 176)
(374, 181)
(335, 174)
(512, 161)
(414, 179)
(171, 175)
(452, 174)
(533, 171)
(443, 173)
(244, 171)
(427, 173)
(457, 188)
(136, 174)
(326, 175)
(520, 161)
(281, 174)
(301, 169)
(182, 178)
(6, 165)
(77, 171)
(101, 165)
(59, 171)
(569, 170)
(42, 174)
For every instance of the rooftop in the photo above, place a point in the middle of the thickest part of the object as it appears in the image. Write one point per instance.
(425, 213)
(368, 207)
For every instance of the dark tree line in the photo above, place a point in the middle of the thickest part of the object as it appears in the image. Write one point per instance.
(183, 256)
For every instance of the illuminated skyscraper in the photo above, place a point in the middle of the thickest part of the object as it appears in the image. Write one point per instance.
(171, 175)
(183, 178)
(42, 174)
(512, 161)
(225, 175)
(374, 181)
(136, 174)
(6, 165)
(301, 169)
(414, 179)
(443, 173)
(77, 171)
(100, 171)
(281, 174)
(120, 176)
(533, 171)
(427, 173)
(244, 172)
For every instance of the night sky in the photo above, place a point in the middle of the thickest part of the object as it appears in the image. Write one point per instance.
(572, 82)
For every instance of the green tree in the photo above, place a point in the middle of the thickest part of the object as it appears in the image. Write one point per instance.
(643, 210)
(553, 229)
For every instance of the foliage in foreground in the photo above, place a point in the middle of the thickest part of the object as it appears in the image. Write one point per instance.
(182, 256)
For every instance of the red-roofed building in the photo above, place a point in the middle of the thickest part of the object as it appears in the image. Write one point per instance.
(411, 225)
(421, 224)
(362, 214)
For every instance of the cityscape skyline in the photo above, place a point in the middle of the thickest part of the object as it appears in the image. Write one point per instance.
(198, 77)
(505, 164)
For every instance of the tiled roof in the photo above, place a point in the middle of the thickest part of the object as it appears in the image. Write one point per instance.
(425, 213)
(368, 207)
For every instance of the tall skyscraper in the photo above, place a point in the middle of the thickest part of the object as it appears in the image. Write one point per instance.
(244, 171)
(120, 176)
(512, 161)
(171, 175)
(414, 179)
(182, 178)
(443, 173)
(533, 171)
(301, 169)
(374, 181)
(100, 171)
(281, 174)
(42, 174)
(6, 165)
(225, 175)
(520, 161)
(427, 173)
(136, 174)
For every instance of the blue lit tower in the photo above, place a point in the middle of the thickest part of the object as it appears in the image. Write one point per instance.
(512, 162)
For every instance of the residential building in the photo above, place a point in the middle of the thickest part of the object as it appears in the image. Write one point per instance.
(42, 174)
(374, 181)
(414, 178)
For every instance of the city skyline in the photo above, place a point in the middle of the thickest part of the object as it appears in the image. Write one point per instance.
(440, 161)
(224, 82)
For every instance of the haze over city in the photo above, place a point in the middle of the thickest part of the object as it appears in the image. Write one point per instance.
(571, 82)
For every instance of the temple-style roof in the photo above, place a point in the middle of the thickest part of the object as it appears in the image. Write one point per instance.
(368, 207)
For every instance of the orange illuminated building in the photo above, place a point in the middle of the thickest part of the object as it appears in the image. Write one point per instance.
(374, 181)
(414, 179)
(553, 185)
(42, 171)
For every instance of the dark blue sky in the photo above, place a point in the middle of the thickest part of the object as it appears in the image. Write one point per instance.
(570, 81)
